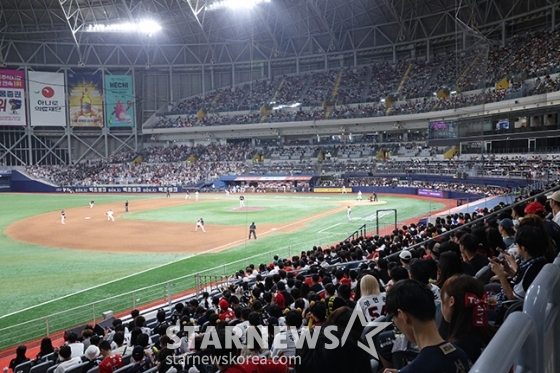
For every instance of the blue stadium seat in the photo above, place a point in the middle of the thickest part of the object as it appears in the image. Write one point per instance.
(42, 367)
(23, 367)
(529, 340)
(76, 368)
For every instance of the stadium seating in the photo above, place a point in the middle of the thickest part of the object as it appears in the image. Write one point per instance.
(529, 340)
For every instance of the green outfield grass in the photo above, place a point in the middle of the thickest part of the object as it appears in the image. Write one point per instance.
(60, 279)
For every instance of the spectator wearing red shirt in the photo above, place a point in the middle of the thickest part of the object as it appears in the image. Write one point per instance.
(110, 362)
(226, 313)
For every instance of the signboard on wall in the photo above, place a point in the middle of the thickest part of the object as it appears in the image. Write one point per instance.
(86, 100)
(47, 99)
(430, 193)
(119, 101)
(12, 98)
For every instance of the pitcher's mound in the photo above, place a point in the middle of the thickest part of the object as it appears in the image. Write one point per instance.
(246, 209)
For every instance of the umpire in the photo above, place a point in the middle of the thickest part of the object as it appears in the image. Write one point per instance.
(252, 230)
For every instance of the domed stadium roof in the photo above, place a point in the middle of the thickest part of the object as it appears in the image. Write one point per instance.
(271, 29)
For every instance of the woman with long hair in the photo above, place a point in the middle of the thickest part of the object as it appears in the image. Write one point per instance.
(20, 358)
(45, 349)
(449, 265)
(372, 300)
(463, 305)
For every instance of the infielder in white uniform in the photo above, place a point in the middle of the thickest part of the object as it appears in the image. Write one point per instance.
(62, 217)
(349, 213)
(241, 201)
(91, 204)
(200, 224)
(359, 195)
(187, 196)
(344, 189)
(196, 195)
(110, 215)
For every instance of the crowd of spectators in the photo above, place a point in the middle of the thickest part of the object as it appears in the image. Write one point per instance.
(460, 72)
(408, 276)
(482, 190)
(165, 166)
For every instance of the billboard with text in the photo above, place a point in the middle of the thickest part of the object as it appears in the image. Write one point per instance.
(12, 98)
(119, 101)
(47, 99)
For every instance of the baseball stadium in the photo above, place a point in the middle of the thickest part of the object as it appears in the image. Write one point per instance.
(282, 166)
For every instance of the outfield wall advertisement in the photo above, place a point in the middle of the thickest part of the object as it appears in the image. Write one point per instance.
(86, 100)
(119, 101)
(12, 98)
(47, 99)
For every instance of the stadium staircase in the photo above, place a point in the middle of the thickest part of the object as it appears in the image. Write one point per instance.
(303, 92)
(466, 71)
(333, 94)
(265, 111)
(424, 89)
(367, 83)
(450, 152)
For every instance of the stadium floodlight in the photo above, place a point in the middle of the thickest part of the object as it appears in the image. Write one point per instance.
(147, 27)
(235, 4)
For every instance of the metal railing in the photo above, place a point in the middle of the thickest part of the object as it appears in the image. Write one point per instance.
(162, 293)
(357, 233)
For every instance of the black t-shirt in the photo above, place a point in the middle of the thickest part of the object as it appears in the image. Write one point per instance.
(478, 261)
(442, 358)
(472, 345)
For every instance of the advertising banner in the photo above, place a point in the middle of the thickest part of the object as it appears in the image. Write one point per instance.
(47, 99)
(86, 100)
(12, 98)
(430, 193)
(119, 101)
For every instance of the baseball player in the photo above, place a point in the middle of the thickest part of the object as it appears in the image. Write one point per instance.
(168, 193)
(200, 224)
(349, 213)
(110, 215)
(359, 195)
(253, 230)
(91, 203)
(196, 195)
(126, 206)
(62, 217)
(374, 197)
(344, 189)
(241, 201)
(227, 192)
(187, 196)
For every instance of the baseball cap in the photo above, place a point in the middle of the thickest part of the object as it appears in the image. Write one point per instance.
(138, 353)
(405, 255)
(534, 208)
(555, 196)
(224, 304)
(506, 223)
(92, 352)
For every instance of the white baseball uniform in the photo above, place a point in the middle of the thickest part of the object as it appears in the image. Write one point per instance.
(110, 215)
(200, 224)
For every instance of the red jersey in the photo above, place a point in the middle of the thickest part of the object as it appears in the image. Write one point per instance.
(110, 364)
(226, 316)
(249, 366)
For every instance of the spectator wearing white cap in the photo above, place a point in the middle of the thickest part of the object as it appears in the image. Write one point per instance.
(405, 257)
(91, 358)
(554, 200)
